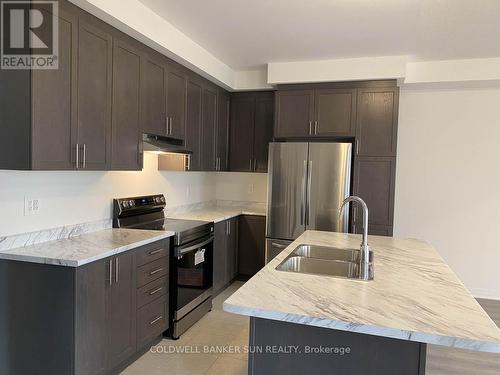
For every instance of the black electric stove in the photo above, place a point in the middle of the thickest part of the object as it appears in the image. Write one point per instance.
(191, 258)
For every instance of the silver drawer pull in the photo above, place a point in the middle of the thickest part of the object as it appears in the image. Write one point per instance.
(155, 251)
(156, 271)
(279, 246)
(156, 320)
(155, 291)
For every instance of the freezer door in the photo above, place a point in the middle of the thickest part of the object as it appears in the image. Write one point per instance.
(274, 247)
(328, 184)
(286, 190)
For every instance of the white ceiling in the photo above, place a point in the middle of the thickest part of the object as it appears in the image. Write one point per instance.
(249, 34)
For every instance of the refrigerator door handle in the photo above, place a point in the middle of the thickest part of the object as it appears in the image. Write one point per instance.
(304, 196)
(308, 198)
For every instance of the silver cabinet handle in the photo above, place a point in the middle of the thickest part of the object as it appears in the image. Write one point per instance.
(155, 252)
(170, 127)
(310, 127)
(111, 272)
(357, 146)
(188, 162)
(315, 127)
(309, 173)
(156, 271)
(278, 245)
(166, 125)
(77, 156)
(117, 267)
(84, 162)
(227, 228)
(250, 165)
(156, 320)
(155, 291)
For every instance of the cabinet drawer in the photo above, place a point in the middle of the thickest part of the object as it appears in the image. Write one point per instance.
(152, 271)
(152, 320)
(152, 291)
(153, 251)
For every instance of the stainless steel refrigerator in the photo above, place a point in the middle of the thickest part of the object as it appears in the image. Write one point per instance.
(306, 186)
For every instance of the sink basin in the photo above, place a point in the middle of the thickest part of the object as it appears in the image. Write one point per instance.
(326, 261)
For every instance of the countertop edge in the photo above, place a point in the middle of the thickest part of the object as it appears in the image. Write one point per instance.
(421, 337)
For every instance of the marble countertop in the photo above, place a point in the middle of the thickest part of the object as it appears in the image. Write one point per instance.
(415, 296)
(79, 250)
(221, 213)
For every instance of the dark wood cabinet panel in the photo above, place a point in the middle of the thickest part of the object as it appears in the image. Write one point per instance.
(193, 122)
(251, 244)
(121, 309)
(294, 113)
(154, 101)
(94, 94)
(176, 101)
(232, 249)
(53, 102)
(335, 112)
(220, 256)
(263, 130)
(374, 180)
(222, 138)
(376, 124)
(126, 107)
(241, 133)
(208, 128)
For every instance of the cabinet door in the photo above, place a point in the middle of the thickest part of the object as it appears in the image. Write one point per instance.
(252, 243)
(208, 129)
(241, 133)
(294, 113)
(376, 123)
(154, 117)
(232, 249)
(220, 256)
(92, 282)
(335, 112)
(223, 105)
(54, 102)
(374, 180)
(126, 107)
(193, 122)
(176, 101)
(94, 94)
(263, 130)
(121, 309)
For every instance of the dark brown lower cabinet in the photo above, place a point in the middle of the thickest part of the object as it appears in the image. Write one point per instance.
(225, 253)
(79, 320)
(251, 244)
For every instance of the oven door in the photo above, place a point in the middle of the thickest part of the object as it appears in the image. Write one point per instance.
(193, 275)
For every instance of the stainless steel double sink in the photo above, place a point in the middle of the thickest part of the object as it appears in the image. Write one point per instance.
(327, 261)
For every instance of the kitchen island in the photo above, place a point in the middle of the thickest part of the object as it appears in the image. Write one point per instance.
(346, 326)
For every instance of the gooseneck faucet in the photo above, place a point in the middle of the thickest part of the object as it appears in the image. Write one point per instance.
(364, 261)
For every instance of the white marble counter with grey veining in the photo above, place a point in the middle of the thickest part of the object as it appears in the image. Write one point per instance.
(222, 210)
(415, 296)
(79, 250)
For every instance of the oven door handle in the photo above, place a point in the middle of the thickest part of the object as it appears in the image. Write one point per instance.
(180, 252)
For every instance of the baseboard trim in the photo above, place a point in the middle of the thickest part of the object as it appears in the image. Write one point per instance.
(485, 293)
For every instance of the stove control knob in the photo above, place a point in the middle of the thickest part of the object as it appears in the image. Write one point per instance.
(162, 199)
(125, 204)
(131, 203)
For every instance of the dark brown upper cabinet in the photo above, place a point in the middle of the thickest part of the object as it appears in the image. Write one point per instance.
(176, 101)
(94, 94)
(193, 122)
(222, 139)
(377, 120)
(38, 108)
(315, 113)
(294, 113)
(126, 119)
(208, 128)
(335, 112)
(251, 130)
(154, 92)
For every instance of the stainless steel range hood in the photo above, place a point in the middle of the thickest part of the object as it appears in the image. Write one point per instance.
(161, 144)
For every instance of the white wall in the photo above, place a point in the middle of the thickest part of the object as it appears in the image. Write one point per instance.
(448, 179)
(76, 197)
(251, 187)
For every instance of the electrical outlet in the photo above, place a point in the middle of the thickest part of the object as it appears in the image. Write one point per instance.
(31, 206)
(251, 188)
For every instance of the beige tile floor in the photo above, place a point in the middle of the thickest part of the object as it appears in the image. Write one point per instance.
(214, 330)
(229, 330)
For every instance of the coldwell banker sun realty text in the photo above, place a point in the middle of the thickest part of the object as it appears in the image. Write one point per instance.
(30, 34)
